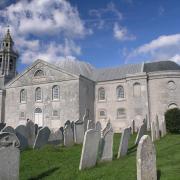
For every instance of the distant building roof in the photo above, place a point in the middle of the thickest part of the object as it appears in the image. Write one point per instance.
(107, 74)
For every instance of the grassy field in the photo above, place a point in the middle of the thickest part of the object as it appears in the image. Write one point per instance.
(60, 163)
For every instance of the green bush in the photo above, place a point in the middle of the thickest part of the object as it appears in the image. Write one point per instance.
(172, 117)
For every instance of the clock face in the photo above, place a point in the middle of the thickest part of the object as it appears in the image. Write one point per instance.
(171, 85)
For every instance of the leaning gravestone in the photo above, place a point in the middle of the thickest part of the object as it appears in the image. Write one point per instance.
(90, 124)
(107, 146)
(36, 129)
(78, 132)
(98, 126)
(42, 138)
(146, 159)
(141, 132)
(108, 126)
(30, 127)
(56, 137)
(9, 139)
(68, 135)
(2, 125)
(157, 128)
(9, 163)
(123, 146)
(21, 134)
(85, 120)
(8, 129)
(163, 128)
(89, 149)
(153, 132)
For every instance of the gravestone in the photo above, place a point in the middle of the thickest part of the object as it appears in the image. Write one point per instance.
(108, 126)
(90, 124)
(8, 129)
(78, 132)
(2, 125)
(133, 127)
(21, 134)
(98, 126)
(107, 146)
(163, 128)
(90, 149)
(85, 119)
(42, 138)
(30, 127)
(9, 163)
(157, 128)
(9, 139)
(36, 129)
(56, 137)
(141, 132)
(146, 159)
(153, 131)
(68, 136)
(123, 146)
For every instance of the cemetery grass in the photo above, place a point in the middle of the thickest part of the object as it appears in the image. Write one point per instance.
(60, 163)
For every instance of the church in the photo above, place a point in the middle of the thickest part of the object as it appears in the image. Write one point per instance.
(51, 94)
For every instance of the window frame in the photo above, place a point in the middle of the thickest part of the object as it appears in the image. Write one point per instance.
(99, 94)
(36, 99)
(122, 93)
(53, 93)
(36, 75)
(104, 116)
(22, 100)
(121, 115)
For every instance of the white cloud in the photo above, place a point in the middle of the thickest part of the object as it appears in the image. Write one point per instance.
(122, 34)
(163, 48)
(46, 28)
(176, 58)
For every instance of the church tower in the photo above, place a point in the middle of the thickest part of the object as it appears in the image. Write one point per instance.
(8, 59)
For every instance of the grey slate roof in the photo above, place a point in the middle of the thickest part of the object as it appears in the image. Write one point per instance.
(106, 74)
(116, 73)
(160, 66)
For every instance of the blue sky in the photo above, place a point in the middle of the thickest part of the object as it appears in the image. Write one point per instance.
(103, 33)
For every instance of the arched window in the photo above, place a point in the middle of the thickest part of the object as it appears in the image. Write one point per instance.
(121, 113)
(102, 113)
(38, 110)
(38, 94)
(22, 95)
(101, 94)
(172, 106)
(55, 92)
(120, 92)
(38, 73)
(137, 89)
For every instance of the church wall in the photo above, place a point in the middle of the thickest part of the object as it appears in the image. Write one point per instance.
(162, 94)
(86, 97)
(67, 105)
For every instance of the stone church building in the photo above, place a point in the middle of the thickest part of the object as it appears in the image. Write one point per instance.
(50, 94)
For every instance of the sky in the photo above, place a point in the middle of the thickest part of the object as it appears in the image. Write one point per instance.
(101, 32)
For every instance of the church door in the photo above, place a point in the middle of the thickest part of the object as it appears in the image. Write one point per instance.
(38, 116)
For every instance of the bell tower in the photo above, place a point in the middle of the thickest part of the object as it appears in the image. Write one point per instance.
(8, 59)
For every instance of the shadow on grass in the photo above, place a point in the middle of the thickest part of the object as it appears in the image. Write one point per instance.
(44, 174)
(132, 149)
(158, 174)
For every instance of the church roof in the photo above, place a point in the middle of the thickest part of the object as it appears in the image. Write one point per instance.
(106, 74)
(160, 66)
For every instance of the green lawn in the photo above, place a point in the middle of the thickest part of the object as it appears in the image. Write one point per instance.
(60, 163)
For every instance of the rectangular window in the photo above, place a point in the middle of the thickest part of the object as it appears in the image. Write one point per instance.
(22, 115)
(55, 113)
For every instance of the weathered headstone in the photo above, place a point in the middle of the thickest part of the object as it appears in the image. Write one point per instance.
(153, 131)
(56, 137)
(68, 135)
(30, 127)
(90, 124)
(141, 132)
(2, 125)
(163, 128)
(9, 163)
(107, 146)
(8, 129)
(123, 146)
(146, 159)
(36, 129)
(98, 126)
(21, 133)
(9, 139)
(78, 132)
(157, 128)
(108, 126)
(42, 138)
(89, 149)
(85, 119)
(133, 127)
